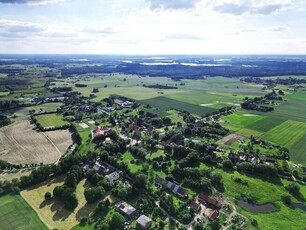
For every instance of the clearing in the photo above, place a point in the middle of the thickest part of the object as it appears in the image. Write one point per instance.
(15, 214)
(229, 140)
(51, 120)
(21, 144)
(52, 212)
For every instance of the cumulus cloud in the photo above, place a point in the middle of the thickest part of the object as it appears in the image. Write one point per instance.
(29, 2)
(172, 4)
(239, 7)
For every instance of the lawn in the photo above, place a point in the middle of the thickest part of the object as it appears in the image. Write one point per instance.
(16, 214)
(128, 158)
(52, 212)
(48, 107)
(51, 120)
(286, 134)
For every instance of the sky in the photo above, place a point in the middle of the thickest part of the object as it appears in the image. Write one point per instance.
(153, 26)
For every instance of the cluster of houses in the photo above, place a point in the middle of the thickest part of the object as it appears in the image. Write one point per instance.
(125, 104)
(176, 189)
(104, 132)
(129, 212)
(105, 169)
(210, 202)
(241, 156)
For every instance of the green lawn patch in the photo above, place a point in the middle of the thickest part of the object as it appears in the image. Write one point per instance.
(51, 120)
(16, 214)
(287, 133)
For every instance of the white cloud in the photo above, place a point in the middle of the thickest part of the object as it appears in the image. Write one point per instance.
(30, 2)
(172, 4)
(239, 7)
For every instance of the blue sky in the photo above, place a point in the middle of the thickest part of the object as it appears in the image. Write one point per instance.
(153, 26)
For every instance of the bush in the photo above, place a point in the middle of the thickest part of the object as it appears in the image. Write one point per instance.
(293, 188)
(286, 198)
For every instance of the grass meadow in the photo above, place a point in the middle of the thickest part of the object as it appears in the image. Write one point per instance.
(16, 214)
(51, 120)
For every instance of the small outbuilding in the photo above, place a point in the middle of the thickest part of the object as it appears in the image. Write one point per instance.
(143, 222)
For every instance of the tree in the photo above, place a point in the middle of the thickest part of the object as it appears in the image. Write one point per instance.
(116, 222)
(293, 188)
(94, 194)
(48, 196)
(227, 164)
(286, 198)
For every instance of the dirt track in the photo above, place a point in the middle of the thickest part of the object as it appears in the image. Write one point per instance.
(21, 144)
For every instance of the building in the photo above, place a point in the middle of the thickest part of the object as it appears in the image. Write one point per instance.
(195, 206)
(125, 104)
(176, 189)
(126, 209)
(209, 200)
(113, 176)
(143, 222)
(102, 132)
(213, 214)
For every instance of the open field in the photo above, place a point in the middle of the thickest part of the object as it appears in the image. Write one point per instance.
(48, 107)
(51, 120)
(229, 140)
(21, 144)
(284, 218)
(165, 104)
(52, 212)
(16, 214)
(264, 125)
(298, 150)
(286, 134)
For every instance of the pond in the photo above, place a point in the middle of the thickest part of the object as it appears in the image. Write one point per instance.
(299, 205)
(257, 208)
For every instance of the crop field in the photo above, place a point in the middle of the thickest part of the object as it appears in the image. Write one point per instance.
(52, 212)
(21, 144)
(14, 174)
(264, 125)
(51, 120)
(286, 134)
(298, 150)
(165, 104)
(16, 214)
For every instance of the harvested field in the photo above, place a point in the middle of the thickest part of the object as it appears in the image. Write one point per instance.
(52, 212)
(229, 140)
(21, 144)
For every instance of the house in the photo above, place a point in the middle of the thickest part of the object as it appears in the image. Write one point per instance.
(113, 176)
(195, 205)
(180, 191)
(143, 222)
(125, 104)
(213, 214)
(126, 209)
(268, 159)
(176, 189)
(102, 132)
(209, 200)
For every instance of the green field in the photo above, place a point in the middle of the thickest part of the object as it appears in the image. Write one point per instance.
(165, 104)
(16, 214)
(264, 125)
(51, 120)
(298, 150)
(264, 192)
(286, 134)
(48, 107)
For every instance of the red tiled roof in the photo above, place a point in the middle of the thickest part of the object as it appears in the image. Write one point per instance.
(208, 199)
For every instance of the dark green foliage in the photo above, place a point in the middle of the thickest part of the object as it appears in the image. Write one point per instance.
(286, 198)
(94, 194)
(293, 188)
(116, 222)
(4, 120)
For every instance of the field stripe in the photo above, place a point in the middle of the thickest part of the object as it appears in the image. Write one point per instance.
(298, 151)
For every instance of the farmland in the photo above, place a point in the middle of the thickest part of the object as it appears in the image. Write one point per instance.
(52, 212)
(15, 213)
(286, 134)
(21, 144)
(51, 120)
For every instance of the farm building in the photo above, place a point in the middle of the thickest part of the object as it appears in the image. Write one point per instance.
(195, 205)
(143, 222)
(213, 214)
(126, 209)
(176, 189)
(209, 200)
(113, 176)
